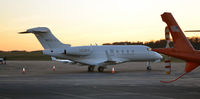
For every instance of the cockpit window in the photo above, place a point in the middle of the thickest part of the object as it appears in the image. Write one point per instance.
(149, 49)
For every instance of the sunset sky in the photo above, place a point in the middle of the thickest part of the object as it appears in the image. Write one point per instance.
(85, 22)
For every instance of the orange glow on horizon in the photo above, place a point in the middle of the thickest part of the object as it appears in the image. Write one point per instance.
(85, 22)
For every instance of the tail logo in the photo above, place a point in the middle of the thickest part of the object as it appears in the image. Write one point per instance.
(175, 29)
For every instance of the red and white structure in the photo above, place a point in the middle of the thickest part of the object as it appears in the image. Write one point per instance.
(113, 70)
(54, 68)
(167, 58)
(23, 70)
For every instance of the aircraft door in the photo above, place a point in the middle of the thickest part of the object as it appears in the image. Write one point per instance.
(111, 52)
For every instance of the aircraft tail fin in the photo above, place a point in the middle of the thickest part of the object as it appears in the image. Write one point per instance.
(179, 39)
(45, 37)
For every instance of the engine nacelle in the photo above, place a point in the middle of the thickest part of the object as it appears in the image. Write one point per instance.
(80, 51)
(77, 51)
(52, 52)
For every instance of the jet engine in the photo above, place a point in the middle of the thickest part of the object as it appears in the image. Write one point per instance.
(79, 51)
(76, 51)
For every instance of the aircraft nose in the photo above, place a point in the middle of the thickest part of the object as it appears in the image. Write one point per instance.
(158, 56)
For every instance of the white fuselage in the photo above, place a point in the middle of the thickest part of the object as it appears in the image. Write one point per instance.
(100, 55)
(92, 55)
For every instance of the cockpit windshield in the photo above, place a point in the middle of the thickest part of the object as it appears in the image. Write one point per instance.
(149, 49)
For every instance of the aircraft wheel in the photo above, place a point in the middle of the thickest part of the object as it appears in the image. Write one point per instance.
(149, 68)
(90, 68)
(101, 69)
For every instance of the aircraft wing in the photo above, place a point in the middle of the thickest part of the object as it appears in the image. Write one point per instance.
(60, 60)
(101, 62)
(110, 62)
(116, 61)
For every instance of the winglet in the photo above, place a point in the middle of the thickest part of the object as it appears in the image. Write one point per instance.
(23, 32)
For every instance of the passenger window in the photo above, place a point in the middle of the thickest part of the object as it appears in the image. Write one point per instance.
(117, 51)
(127, 51)
(111, 51)
(132, 51)
(122, 51)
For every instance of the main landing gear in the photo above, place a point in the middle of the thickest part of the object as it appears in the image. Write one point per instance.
(148, 66)
(101, 69)
(91, 69)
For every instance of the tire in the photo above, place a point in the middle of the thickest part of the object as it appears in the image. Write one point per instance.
(90, 68)
(100, 69)
(149, 68)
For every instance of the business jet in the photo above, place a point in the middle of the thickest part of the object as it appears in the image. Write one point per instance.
(183, 49)
(93, 56)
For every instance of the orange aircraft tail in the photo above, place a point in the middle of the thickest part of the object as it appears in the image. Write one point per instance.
(179, 39)
(182, 47)
(181, 43)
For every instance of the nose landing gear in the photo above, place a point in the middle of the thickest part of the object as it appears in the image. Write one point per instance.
(148, 66)
(90, 68)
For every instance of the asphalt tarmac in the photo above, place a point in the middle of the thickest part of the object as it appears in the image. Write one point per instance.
(131, 80)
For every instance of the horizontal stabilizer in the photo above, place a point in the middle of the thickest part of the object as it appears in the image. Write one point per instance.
(192, 31)
(190, 66)
(36, 30)
(25, 32)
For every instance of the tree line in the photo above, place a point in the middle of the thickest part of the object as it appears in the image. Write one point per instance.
(195, 41)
